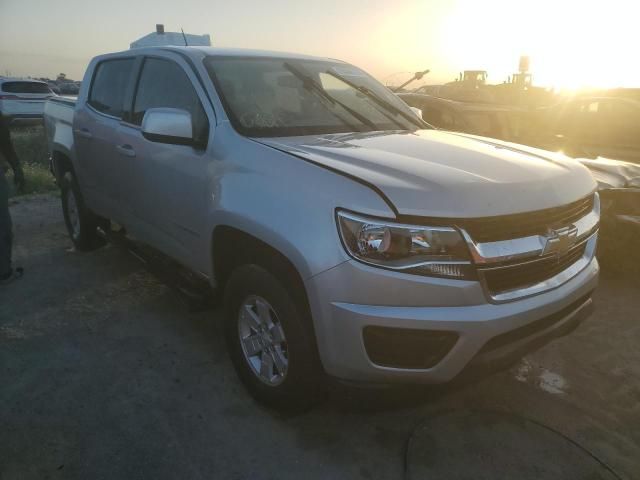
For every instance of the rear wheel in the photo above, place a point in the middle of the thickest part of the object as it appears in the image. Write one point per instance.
(270, 340)
(81, 223)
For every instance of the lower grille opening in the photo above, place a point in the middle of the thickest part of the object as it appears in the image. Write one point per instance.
(533, 327)
(407, 348)
(513, 277)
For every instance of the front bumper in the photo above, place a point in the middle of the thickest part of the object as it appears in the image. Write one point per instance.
(352, 296)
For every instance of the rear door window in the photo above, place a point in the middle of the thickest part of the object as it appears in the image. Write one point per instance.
(26, 87)
(109, 86)
(163, 84)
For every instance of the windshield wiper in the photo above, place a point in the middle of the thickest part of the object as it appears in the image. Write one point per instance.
(380, 101)
(310, 84)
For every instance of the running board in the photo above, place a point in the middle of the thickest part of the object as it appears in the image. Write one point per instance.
(193, 289)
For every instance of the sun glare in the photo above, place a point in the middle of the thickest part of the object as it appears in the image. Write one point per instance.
(571, 44)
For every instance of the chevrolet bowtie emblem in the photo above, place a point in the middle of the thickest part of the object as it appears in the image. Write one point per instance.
(560, 241)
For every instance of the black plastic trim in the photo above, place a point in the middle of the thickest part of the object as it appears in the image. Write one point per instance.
(170, 139)
(537, 326)
(189, 61)
(407, 348)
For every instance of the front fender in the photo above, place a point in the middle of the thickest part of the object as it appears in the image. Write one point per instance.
(286, 202)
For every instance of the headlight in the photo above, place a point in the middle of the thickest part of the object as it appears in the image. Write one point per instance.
(432, 251)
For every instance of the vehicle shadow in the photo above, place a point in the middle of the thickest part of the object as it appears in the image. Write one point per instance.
(349, 397)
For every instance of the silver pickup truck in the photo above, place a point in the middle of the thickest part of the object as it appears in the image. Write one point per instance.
(349, 238)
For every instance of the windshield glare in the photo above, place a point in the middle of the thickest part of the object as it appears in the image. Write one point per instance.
(269, 97)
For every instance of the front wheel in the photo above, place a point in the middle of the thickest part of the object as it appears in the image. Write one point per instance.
(81, 223)
(271, 342)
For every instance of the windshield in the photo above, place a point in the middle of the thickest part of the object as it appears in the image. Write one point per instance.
(272, 97)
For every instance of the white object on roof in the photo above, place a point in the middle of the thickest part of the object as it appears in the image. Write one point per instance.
(160, 38)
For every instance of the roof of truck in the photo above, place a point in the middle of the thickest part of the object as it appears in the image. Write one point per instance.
(247, 52)
(199, 52)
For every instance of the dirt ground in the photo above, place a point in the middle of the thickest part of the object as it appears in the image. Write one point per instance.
(104, 373)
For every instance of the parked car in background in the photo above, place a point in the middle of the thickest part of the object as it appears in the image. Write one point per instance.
(484, 119)
(459, 92)
(69, 88)
(619, 187)
(590, 127)
(22, 100)
(347, 237)
(54, 87)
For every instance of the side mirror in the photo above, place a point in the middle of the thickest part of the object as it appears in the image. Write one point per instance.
(417, 111)
(168, 125)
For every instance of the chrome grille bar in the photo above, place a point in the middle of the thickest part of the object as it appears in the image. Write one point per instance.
(484, 254)
(550, 283)
(524, 253)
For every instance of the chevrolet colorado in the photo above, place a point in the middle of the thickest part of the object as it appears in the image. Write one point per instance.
(350, 239)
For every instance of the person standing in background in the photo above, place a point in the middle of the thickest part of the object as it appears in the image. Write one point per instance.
(7, 272)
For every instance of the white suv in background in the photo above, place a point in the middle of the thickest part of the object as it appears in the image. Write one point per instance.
(22, 100)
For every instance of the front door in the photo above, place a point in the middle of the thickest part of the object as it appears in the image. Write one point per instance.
(171, 181)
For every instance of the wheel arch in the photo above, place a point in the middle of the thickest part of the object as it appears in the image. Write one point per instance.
(60, 164)
(231, 247)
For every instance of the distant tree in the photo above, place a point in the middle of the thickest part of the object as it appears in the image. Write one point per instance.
(61, 77)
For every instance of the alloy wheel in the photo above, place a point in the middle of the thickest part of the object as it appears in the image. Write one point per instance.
(263, 341)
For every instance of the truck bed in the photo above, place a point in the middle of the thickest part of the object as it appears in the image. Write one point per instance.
(60, 108)
(58, 123)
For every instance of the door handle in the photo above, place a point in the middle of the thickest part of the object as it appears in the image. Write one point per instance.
(83, 132)
(126, 150)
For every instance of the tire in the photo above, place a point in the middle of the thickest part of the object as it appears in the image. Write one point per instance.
(301, 384)
(81, 223)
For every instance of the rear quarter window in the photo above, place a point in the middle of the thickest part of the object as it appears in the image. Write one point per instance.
(25, 87)
(109, 86)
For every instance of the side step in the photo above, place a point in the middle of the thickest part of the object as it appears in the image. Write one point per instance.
(194, 289)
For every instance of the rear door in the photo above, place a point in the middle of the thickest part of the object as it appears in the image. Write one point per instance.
(170, 193)
(95, 127)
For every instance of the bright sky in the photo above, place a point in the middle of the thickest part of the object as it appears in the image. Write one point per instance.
(571, 43)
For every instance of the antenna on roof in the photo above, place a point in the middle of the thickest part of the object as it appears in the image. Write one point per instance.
(185, 37)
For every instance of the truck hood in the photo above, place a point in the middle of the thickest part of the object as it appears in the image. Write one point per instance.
(441, 174)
